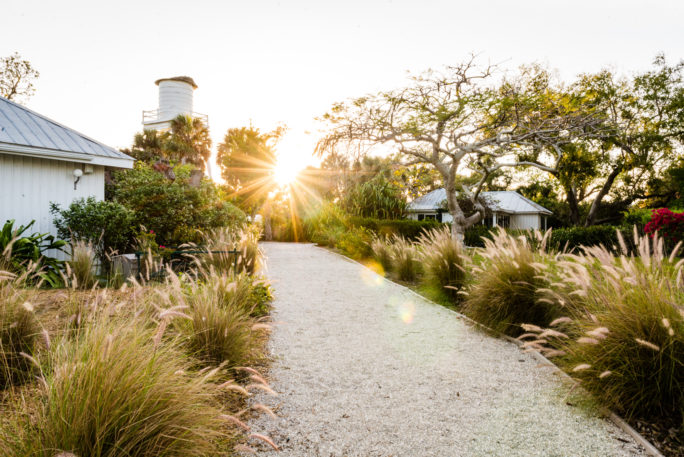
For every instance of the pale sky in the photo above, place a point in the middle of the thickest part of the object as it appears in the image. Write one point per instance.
(285, 62)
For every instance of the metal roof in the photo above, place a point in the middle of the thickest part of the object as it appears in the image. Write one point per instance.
(25, 132)
(506, 201)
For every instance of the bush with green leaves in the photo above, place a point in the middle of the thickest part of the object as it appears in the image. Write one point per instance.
(505, 292)
(176, 210)
(406, 228)
(375, 198)
(355, 243)
(444, 261)
(19, 252)
(109, 226)
(572, 238)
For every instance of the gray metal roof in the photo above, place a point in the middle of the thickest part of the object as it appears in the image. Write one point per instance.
(506, 201)
(26, 132)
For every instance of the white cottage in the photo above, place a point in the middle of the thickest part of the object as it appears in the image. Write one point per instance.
(506, 209)
(42, 161)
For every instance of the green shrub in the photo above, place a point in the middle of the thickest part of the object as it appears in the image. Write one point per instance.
(572, 238)
(325, 224)
(504, 293)
(405, 259)
(626, 340)
(406, 228)
(109, 226)
(474, 236)
(355, 242)
(376, 198)
(382, 252)
(443, 261)
(20, 253)
(19, 332)
(177, 211)
(111, 392)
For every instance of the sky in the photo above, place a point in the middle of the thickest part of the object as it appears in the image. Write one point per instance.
(269, 63)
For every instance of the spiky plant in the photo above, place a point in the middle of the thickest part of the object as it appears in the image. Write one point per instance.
(405, 259)
(506, 285)
(114, 391)
(382, 252)
(443, 261)
(82, 265)
(19, 331)
(625, 321)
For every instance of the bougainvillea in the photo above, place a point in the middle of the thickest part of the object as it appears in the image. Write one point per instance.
(668, 224)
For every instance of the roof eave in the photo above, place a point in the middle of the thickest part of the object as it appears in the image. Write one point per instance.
(66, 156)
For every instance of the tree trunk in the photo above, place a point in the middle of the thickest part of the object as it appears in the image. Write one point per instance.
(458, 223)
(593, 211)
(573, 204)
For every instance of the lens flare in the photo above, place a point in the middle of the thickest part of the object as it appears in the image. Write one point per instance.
(407, 312)
(373, 275)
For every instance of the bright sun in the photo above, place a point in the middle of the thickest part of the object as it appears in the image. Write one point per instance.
(293, 156)
(286, 171)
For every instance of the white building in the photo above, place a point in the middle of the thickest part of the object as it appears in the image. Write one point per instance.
(506, 209)
(42, 161)
(175, 98)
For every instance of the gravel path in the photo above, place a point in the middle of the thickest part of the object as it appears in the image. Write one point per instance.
(365, 367)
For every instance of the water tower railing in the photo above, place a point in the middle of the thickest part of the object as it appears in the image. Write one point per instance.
(151, 116)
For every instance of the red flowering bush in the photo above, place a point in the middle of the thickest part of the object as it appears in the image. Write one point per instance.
(668, 224)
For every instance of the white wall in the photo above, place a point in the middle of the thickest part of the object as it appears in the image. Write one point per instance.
(525, 221)
(28, 185)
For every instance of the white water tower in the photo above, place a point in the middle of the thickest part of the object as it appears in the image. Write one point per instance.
(175, 98)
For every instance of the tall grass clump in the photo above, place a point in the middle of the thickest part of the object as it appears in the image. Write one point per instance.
(220, 328)
(405, 259)
(19, 332)
(113, 391)
(382, 251)
(626, 327)
(81, 267)
(244, 240)
(443, 261)
(506, 285)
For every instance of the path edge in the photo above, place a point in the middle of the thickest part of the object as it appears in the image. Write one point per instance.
(617, 420)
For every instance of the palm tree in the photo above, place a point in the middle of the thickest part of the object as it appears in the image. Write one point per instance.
(189, 141)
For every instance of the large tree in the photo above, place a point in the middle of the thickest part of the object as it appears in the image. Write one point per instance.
(16, 78)
(456, 121)
(247, 160)
(638, 128)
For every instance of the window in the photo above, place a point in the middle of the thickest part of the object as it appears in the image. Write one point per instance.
(503, 220)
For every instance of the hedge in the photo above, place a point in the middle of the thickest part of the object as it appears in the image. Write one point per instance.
(408, 228)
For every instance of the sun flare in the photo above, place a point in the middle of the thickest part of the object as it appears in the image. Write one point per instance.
(286, 172)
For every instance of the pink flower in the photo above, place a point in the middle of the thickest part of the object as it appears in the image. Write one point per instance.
(152, 232)
(161, 246)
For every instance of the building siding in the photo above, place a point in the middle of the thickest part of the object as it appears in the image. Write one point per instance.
(525, 221)
(28, 186)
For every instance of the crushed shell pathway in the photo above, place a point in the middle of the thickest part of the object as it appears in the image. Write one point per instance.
(364, 367)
